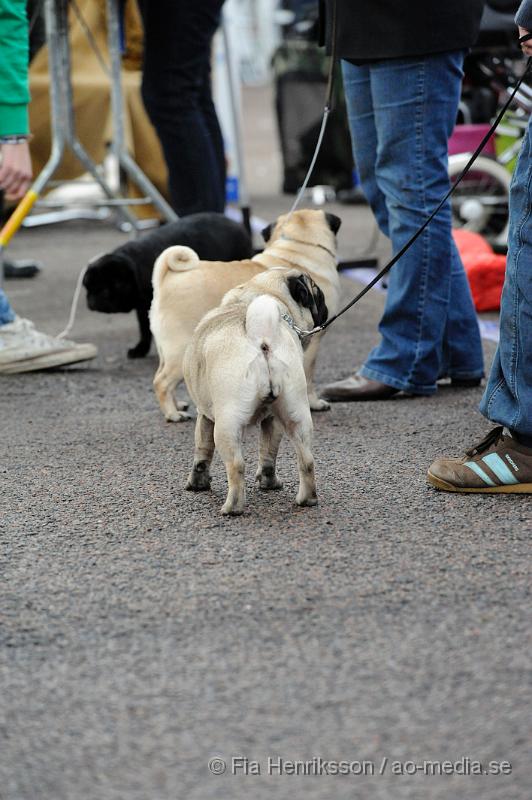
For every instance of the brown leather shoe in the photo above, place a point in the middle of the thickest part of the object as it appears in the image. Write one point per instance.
(357, 388)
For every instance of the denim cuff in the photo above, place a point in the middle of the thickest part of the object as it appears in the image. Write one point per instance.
(403, 386)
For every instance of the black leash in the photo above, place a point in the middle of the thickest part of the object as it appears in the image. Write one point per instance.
(410, 242)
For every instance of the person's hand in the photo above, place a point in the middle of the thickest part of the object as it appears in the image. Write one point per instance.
(15, 170)
(526, 47)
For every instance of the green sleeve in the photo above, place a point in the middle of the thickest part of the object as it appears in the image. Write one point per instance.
(14, 91)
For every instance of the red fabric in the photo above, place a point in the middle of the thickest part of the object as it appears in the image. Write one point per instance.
(484, 269)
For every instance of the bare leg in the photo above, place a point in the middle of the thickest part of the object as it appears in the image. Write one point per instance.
(229, 444)
(311, 353)
(199, 479)
(271, 433)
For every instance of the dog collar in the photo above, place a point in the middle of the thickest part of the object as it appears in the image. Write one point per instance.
(308, 244)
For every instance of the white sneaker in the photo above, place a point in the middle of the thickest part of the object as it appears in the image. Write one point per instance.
(23, 349)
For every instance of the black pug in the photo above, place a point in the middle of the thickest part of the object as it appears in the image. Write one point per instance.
(120, 281)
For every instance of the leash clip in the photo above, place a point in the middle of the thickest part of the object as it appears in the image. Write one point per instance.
(291, 324)
(301, 333)
(305, 334)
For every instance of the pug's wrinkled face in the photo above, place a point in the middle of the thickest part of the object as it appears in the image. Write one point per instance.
(308, 294)
(111, 285)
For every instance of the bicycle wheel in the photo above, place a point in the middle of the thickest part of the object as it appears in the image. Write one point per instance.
(480, 203)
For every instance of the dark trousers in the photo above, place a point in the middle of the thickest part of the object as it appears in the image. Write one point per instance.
(176, 89)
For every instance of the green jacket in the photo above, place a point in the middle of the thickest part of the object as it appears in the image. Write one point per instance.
(14, 92)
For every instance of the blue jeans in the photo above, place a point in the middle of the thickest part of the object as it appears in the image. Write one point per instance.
(401, 114)
(508, 395)
(6, 312)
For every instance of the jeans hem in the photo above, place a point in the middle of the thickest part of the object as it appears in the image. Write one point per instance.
(496, 415)
(403, 386)
(499, 419)
(464, 376)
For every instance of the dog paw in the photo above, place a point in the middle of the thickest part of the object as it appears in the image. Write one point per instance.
(199, 479)
(181, 405)
(318, 404)
(231, 510)
(177, 416)
(195, 484)
(139, 351)
(307, 500)
(268, 480)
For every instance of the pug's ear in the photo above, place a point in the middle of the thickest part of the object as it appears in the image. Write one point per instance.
(267, 232)
(300, 291)
(307, 294)
(333, 222)
(320, 312)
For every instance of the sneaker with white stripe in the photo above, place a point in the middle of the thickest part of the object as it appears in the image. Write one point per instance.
(498, 464)
(25, 349)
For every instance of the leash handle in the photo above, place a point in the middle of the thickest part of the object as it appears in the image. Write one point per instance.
(438, 208)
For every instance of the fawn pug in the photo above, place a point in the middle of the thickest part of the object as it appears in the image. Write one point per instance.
(185, 288)
(243, 366)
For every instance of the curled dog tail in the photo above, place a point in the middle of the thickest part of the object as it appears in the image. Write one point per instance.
(263, 321)
(176, 259)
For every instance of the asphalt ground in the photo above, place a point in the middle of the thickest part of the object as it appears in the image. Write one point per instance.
(142, 634)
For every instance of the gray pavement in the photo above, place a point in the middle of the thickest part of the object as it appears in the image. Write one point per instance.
(142, 634)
